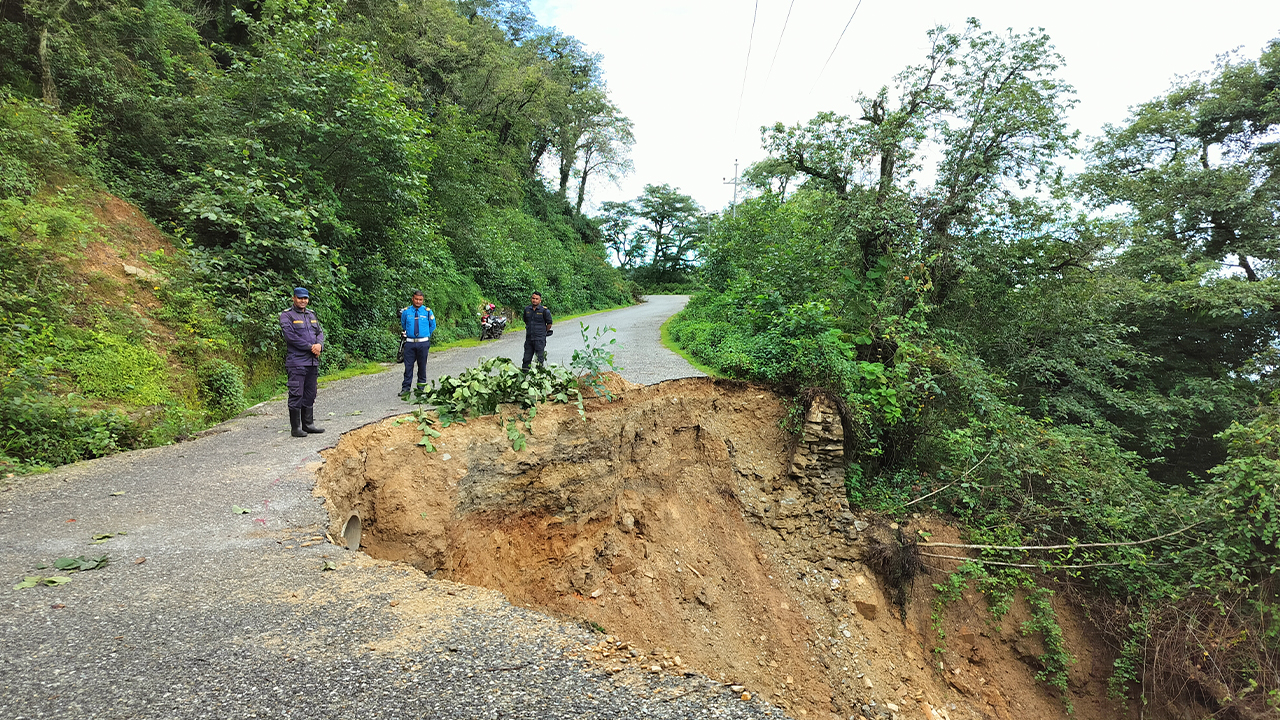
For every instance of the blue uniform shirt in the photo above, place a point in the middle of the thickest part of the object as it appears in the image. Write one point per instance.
(417, 322)
(301, 330)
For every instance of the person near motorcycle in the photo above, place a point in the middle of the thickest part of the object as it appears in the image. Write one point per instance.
(416, 325)
(537, 326)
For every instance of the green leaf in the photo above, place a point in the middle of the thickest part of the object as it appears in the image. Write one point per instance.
(237, 510)
(28, 582)
(56, 580)
(329, 565)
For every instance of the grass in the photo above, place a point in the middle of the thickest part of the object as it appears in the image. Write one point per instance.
(368, 368)
(669, 343)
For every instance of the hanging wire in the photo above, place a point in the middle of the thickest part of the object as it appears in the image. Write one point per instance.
(779, 47)
(743, 93)
(837, 46)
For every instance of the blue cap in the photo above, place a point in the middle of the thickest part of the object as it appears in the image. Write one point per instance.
(301, 292)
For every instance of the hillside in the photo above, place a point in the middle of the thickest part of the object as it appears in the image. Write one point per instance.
(298, 146)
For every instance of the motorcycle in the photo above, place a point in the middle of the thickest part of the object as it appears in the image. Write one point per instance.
(492, 325)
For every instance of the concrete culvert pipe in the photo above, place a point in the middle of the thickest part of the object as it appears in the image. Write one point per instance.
(351, 532)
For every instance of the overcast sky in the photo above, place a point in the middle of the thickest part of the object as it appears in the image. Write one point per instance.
(676, 67)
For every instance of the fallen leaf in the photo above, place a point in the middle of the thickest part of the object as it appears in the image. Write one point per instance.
(237, 510)
(117, 494)
(329, 565)
(139, 561)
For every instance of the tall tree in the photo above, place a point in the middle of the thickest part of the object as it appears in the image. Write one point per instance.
(617, 227)
(605, 150)
(1200, 166)
(675, 224)
(991, 103)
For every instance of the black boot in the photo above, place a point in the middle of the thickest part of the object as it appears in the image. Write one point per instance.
(295, 421)
(309, 421)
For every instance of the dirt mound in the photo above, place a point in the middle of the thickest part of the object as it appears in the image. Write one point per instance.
(681, 521)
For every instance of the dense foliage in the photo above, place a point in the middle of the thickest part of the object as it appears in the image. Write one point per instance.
(1083, 369)
(362, 149)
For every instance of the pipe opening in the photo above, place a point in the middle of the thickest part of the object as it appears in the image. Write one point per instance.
(351, 532)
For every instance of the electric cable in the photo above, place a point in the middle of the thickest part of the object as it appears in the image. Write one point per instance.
(750, 39)
(779, 47)
(837, 46)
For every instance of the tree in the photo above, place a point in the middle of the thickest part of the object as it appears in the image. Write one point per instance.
(1200, 166)
(990, 102)
(605, 150)
(674, 225)
(765, 173)
(617, 222)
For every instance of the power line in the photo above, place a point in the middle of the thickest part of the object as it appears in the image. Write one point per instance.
(750, 38)
(833, 50)
(779, 47)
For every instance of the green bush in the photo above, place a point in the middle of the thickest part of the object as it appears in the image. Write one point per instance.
(36, 143)
(221, 388)
(40, 429)
(117, 369)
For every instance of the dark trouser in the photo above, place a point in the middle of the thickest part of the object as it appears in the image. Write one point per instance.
(534, 345)
(415, 352)
(302, 386)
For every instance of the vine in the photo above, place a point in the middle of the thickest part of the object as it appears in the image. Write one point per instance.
(1001, 587)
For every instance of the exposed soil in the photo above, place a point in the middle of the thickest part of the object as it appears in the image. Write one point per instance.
(684, 524)
(116, 266)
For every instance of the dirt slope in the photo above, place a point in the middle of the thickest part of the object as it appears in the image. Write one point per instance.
(684, 523)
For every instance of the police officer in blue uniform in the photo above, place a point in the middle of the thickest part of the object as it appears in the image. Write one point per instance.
(417, 323)
(537, 326)
(303, 339)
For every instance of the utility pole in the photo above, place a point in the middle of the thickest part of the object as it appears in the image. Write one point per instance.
(734, 183)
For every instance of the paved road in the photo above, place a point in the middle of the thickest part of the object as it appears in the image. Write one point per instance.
(203, 613)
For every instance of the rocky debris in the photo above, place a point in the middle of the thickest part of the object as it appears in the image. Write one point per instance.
(818, 462)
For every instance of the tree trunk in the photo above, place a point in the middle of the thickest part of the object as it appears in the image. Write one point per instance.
(582, 182)
(47, 88)
(566, 169)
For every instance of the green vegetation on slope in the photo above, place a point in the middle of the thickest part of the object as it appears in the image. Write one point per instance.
(1091, 394)
(360, 149)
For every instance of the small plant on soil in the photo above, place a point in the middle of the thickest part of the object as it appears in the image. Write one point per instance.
(592, 362)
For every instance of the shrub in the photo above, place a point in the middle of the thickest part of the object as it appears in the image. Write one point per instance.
(37, 428)
(117, 369)
(221, 388)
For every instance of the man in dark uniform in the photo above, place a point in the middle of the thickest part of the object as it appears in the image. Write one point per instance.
(537, 326)
(303, 339)
(417, 323)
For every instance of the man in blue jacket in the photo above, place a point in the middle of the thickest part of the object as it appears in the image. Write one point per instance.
(416, 325)
(303, 339)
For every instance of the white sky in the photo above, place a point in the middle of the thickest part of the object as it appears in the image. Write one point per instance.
(675, 67)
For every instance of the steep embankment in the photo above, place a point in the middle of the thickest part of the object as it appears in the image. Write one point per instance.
(683, 523)
(103, 353)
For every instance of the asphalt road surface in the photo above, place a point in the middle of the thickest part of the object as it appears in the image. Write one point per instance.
(203, 612)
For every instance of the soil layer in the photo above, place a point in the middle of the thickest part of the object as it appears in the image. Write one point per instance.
(681, 522)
